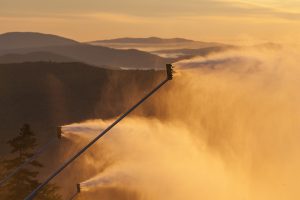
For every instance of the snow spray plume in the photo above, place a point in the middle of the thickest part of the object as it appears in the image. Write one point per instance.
(88, 129)
(231, 133)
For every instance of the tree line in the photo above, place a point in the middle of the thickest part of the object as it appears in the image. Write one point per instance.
(22, 148)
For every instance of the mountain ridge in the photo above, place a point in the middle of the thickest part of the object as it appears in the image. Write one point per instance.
(89, 54)
(34, 57)
(17, 40)
(144, 40)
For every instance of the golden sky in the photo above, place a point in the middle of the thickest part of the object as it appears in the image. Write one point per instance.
(208, 20)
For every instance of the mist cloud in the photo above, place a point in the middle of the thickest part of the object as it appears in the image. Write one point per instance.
(230, 131)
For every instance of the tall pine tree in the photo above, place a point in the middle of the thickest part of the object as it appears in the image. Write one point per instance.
(22, 183)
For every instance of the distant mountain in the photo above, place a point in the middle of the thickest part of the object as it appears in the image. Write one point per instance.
(28, 43)
(34, 57)
(19, 40)
(154, 44)
(188, 53)
(102, 56)
(150, 40)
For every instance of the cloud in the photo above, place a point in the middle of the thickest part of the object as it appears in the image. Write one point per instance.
(131, 9)
(251, 9)
(219, 20)
(119, 18)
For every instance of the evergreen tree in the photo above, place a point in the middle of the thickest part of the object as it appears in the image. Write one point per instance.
(25, 181)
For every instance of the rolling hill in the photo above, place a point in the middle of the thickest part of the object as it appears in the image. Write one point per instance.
(177, 48)
(20, 40)
(47, 94)
(89, 54)
(149, 40)
(193, 52)
(34, 57)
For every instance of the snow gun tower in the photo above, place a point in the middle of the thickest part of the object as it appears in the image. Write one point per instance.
(169, 71)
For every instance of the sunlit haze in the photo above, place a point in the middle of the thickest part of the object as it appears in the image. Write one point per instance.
(208, 20)
(149, 100)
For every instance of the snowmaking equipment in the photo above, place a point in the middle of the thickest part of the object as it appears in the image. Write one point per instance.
(169, 73)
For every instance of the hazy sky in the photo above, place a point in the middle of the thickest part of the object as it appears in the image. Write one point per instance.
(215, 20)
